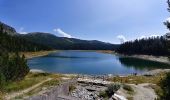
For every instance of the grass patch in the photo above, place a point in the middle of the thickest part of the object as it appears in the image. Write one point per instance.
(128, 88)
(36, 54)
(44, 86)
(30, 80)
(139, 79)
(111, 89)
(130, 98)
(1, 95)
(157, 90)
(103, 94)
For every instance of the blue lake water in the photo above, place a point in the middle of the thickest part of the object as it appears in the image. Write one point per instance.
(94, 63)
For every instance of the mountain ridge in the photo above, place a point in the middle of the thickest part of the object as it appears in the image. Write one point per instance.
(55, 42)
(66, 43)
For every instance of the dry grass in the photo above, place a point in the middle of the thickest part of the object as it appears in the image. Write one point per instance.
(43, 87)
(139, 79)
(30, 80)
(1, 95)
(36, 54)
(154, 80)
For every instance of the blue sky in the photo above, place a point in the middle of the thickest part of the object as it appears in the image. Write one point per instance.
(105, 20)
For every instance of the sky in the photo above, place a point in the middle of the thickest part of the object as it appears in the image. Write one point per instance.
(113, 21)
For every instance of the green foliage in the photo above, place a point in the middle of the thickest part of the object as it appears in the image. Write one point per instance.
(14, 68)
(157, 46)
(2, 81)
(112, 88)
(128, 88)
(166, 87)
(15, 43)
(103, 94)
(64, 43)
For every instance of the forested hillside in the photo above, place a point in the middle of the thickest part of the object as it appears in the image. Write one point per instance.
(64, 43)
(150, 46)
(14, 43)
(13, 67)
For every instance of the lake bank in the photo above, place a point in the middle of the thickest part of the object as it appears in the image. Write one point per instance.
(161, 59)
(42, 86)
(69, 62)
(29, 55)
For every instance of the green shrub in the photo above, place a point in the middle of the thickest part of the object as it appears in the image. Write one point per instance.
(128, 88)
(112, 88)
(165, 85)
(2, 81)
(103, 94)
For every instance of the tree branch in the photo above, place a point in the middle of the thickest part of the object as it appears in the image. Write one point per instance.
(168, 4)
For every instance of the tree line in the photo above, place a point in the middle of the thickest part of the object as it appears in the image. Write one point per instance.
(157, 46)
(13, 67)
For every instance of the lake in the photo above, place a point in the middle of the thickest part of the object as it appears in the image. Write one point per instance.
(92, 63)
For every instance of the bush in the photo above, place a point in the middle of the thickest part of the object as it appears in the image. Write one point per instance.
(165, 87)
(2, 81)
(128, 88)
(112, 88)
(103, 94)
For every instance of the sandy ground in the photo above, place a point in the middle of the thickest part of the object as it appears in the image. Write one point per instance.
(142, 92)
(29, 55)
(155, 71)
(36, 71)
(161, 59)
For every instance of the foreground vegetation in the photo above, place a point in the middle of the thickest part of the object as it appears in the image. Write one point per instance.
(30, 80)
(159, 82)
(165, 87)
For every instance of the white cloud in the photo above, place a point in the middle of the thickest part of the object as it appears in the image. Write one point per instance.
(142, 37)
(168, 19)
(62, 33)
(21, 31)
(122, 38)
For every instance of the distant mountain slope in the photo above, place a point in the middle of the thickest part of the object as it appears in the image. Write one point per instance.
(9, 41)
(67, 43)
(40, 40)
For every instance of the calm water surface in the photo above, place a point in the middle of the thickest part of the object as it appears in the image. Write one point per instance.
(88, 62)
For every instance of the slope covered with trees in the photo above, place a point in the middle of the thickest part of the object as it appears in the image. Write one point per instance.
(151, 46)
(13, 67)
(14, 43)
(64, 43)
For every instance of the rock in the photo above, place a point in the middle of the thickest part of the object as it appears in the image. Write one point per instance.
(7, 29)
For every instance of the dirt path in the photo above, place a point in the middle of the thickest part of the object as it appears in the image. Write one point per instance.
(143, 92)
(13, 95)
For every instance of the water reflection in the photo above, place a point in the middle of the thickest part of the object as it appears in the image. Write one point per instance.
(141, 64)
